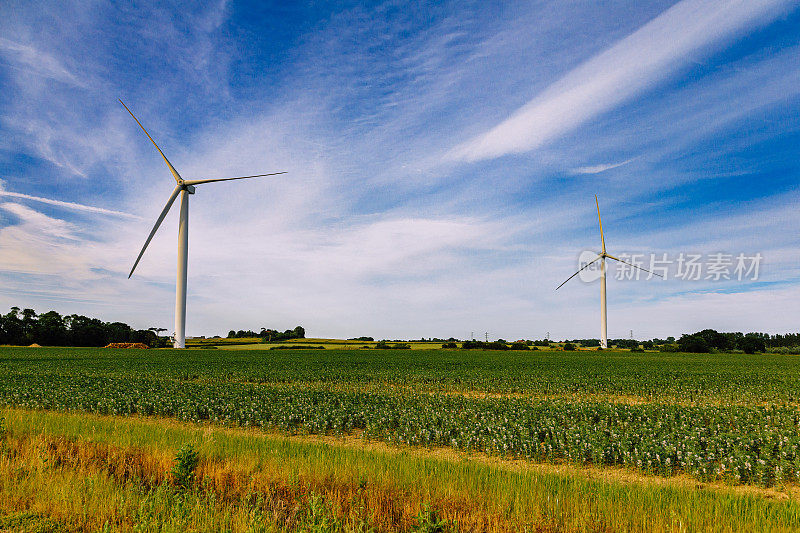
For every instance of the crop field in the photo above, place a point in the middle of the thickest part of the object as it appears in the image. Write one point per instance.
(728, 420)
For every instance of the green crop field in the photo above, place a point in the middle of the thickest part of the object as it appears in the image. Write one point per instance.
(728, 420)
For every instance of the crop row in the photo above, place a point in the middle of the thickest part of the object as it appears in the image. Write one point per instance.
(746, 444)
(675, 378)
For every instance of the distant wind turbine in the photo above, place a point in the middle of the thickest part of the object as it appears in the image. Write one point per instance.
(602, 258)
(184, 188)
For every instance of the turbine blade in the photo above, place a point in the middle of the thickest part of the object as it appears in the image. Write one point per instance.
(155, 228)
(579, 270)
(171, 168)
(600, 221)
(634, 266)
(199, 182)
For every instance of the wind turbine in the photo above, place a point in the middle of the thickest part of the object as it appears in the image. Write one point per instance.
(184, 188)
(602, 258)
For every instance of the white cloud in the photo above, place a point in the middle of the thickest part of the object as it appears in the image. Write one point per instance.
(670, 41)
(723, 311)
(370, 233)
(68, 205)
(597, 169)
(39, 244)
(37, 62)
(44, 224)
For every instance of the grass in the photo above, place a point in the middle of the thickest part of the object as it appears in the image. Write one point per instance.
(715, 416)
(73, 469)
(89, 472)
(649, 377)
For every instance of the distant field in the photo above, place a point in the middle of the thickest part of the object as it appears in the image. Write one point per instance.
(256, 343)
(720, 419)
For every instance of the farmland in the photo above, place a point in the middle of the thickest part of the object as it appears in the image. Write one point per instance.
(726, 419)
(258, 343)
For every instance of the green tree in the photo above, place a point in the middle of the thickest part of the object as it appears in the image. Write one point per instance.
(752, 344)
(118, 332)
(51, 329)
(693, 344)
(28, 325)
(12, 327)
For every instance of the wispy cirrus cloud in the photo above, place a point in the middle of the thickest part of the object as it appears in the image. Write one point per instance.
(675, 38)
(35, 61)
(372, 231)
(68, 205)
(597, 169)
(50, 226)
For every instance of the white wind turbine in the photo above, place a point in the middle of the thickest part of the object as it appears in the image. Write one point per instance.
(184, 188)
(602, 258)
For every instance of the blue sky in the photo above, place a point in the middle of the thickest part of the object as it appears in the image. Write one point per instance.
(442, 162)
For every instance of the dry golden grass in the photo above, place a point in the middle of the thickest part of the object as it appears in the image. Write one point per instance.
(86, 472)
(59, 460)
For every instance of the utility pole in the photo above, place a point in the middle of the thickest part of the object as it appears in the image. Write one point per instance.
(487, 336)
(472, 335)
(547, 337)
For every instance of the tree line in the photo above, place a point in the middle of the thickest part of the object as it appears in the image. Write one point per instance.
(25, 327)
(705, 341)
(709, 339)
(269, 335)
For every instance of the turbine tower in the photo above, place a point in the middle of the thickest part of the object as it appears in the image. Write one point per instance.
(184, 188)
(602, 258)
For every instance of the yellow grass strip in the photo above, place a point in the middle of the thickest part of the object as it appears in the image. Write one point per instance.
(385, 485)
